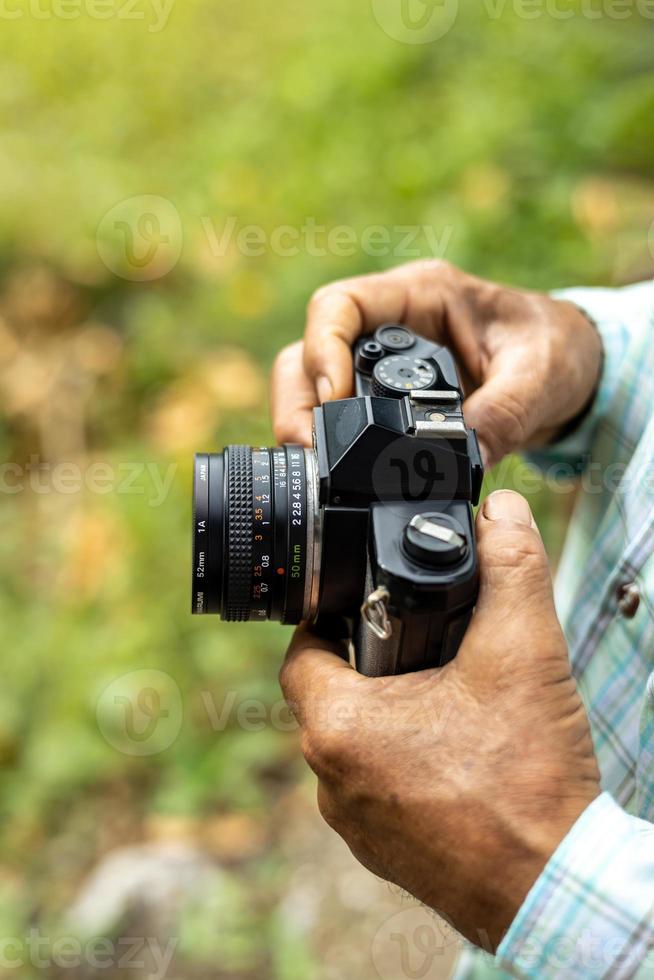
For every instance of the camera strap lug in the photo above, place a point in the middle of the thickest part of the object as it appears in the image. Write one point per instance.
(375, 613)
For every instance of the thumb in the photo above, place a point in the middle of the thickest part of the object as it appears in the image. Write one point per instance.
(515, 621)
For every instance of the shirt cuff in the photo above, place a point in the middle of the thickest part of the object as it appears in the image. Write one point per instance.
(590, 914)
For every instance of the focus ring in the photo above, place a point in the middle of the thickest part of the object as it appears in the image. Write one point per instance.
(239, 533)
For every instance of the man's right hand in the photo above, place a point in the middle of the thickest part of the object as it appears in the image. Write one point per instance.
(529, 363)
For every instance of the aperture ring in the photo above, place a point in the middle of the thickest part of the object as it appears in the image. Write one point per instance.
(239, 533)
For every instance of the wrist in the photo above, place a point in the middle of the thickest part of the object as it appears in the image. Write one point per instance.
(515, 856)
(590, 355)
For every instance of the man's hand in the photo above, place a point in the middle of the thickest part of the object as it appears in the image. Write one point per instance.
(458, 784)
(529, 363)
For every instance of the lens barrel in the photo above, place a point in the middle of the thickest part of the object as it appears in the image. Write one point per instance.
(255, 521)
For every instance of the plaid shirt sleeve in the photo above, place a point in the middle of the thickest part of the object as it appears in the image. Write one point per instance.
(590, 914)
(621, 316)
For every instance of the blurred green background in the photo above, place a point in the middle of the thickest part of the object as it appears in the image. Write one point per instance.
(524, 146)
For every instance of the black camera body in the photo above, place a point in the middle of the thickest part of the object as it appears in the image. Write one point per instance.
(370, 535)
(398, 475)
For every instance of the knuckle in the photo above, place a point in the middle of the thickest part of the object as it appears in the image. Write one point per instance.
(310, 749)
(324, 294)
(514, 553)
(284, 677)
(506, 423)
(288, 356)
(315, 752)
(432, 266)
(313, 358)
(317, 298)
(426, 272)
(440, 267)
(285, 430)
(329, 811)
(520, 554)
(441, 272)
(326, 751)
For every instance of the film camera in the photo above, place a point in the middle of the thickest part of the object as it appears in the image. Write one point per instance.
(369, 534)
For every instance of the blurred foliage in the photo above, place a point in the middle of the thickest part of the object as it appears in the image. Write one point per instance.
(530, 140)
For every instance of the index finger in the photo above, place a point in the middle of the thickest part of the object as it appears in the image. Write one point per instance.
(292, 397)
(320, 367)
(338, 314)
(313, 671)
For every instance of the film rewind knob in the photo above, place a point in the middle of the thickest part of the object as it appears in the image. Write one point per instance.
(435, 540)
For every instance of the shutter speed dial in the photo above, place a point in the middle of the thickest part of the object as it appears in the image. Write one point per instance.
(396, 376)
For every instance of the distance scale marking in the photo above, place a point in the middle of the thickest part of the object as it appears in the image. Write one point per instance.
(279, 533)
(262, 535)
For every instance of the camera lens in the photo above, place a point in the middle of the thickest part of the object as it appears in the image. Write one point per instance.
(256, 548)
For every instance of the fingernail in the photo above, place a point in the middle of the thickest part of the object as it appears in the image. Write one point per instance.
(504, 505)
(324, 388)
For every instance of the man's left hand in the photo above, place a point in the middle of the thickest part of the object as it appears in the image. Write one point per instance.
(458, 783)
